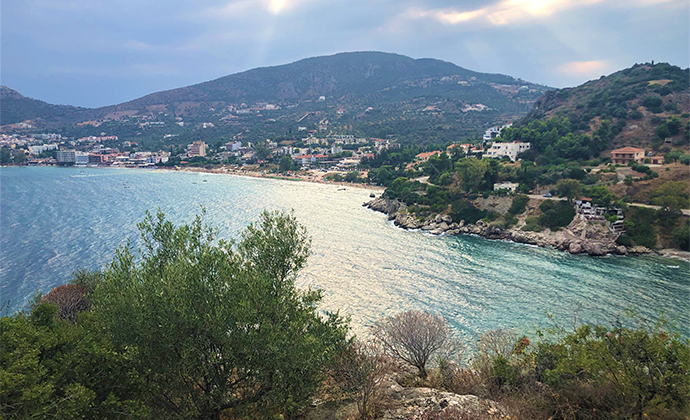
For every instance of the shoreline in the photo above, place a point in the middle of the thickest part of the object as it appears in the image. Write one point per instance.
(310, 178)
(579, 237)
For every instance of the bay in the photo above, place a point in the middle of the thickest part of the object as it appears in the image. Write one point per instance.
(54, 221)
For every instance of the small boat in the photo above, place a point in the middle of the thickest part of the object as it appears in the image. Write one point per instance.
(342, 189)
(205, 180)
(124, 184)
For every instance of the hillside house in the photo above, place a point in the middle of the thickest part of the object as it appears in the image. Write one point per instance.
(423, 157)
(626, 155)
(509, 186)
(512, 150)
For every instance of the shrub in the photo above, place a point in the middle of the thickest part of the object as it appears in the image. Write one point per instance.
(357, 371)
(415, 337)
(624, 240)
(519, 204)
(626, 372)
(556, 214)
(681, 237)
(464, 210)
(532, 224)
(640, 226)
(70, 300)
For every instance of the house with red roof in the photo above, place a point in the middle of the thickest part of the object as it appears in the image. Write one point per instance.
(626, 155)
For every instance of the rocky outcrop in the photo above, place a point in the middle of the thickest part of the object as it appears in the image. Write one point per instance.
(580, 237)
(407, 403)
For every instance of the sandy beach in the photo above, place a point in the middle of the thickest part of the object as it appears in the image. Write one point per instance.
(313, 175)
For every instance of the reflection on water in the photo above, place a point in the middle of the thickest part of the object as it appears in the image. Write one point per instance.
(52, 224)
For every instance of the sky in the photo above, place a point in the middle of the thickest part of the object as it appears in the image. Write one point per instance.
(94, 53)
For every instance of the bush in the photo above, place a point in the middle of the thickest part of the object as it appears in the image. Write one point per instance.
(415, 337)
(556, 214)
(640, 226)
(681, 237)
(627, 373)
(519, 204)
(624, 240)
(464, 210)
(532, 224)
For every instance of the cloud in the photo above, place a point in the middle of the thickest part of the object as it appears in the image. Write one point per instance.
(584, 68)
(510, 12)
(240, 8)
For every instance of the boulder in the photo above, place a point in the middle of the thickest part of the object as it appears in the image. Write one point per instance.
(595, 249)
(621, 250)
(443, 226)
(447, 219)
(406, 221)
(575, 248)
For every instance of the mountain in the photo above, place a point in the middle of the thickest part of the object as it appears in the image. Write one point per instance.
(363, 93)
(15, 108)
(644, 106)
(359, 73)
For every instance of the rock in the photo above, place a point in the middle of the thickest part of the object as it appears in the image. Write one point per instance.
(452, 232)
(438, 218)
(461, 224)
(447, 219)
(621, 250)
(406, 221)
(575, 248)
(427, 226)
(639, 250)
(436, 231)
(595, 249)
(411, 402)
(442, 226)
(385, 205)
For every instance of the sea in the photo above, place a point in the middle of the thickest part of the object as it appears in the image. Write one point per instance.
(54, 221)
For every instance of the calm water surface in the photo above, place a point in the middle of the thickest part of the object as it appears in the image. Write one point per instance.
(56, 220)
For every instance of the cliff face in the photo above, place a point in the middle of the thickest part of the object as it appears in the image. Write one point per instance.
(579, 237)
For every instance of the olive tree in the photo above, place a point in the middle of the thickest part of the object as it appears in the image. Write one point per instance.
(415, 337)
(215, 326)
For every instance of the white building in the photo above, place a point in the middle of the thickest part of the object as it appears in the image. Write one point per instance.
(512, 150)
(233, 146)
(81, 158)
(37, 150)
(510, 186)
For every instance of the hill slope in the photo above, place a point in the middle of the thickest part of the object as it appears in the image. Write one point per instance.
(15, 108)
(362, 93)
(645, 106)
(358, 73)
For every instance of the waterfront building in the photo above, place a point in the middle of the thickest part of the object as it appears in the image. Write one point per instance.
(66, 156)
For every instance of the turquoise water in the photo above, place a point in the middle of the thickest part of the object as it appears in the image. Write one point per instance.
(54, 221)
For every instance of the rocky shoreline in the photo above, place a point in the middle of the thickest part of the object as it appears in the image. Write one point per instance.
(579, 237)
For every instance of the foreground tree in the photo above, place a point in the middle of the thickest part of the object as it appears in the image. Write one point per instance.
(218, 326)
(415, 337)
